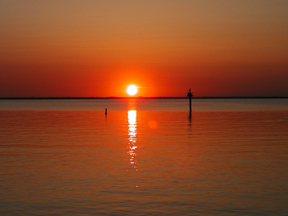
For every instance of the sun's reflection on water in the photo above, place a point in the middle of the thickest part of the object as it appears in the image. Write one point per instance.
(132, 133)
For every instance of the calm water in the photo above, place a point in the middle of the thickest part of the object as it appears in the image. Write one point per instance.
(146, 157)
(147, 104)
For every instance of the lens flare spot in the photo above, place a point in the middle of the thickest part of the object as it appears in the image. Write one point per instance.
(152, 124)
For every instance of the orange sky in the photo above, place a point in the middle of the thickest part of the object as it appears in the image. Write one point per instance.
(96, 48)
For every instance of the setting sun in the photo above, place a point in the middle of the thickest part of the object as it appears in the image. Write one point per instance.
(132, 90)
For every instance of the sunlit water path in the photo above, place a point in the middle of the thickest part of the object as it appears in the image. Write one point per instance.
(140, 161)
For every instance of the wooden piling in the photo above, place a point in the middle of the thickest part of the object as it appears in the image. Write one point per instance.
(190, 95)
(105, 111)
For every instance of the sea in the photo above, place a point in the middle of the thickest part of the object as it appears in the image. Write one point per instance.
(144, 157)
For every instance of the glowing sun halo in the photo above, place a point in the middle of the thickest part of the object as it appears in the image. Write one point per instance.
(132, 90)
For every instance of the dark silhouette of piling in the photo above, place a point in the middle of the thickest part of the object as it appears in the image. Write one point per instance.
(190, 95)
(105, 111)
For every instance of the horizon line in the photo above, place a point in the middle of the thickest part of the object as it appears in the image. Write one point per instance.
(140, 97)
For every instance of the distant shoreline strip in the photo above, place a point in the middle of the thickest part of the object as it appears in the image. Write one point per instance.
(84, 98)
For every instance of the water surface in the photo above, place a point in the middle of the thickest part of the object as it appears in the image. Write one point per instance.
(143, 162)
(147, 104)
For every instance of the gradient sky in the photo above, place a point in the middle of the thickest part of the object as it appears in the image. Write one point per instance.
(58, 48)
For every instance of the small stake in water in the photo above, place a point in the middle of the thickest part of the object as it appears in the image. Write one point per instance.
(190, 95)
(105, 111)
